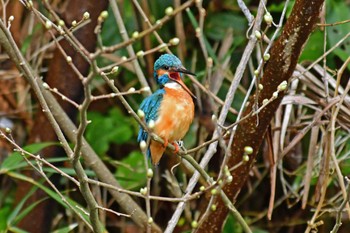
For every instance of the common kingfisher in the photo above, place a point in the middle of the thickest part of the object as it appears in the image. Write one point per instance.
(171, 107)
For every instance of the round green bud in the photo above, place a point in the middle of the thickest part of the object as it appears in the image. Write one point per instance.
(194, 224)
(143, 145)
(174, 41)
(69, 59)
(169, 11)
(257, 34)
(245, 158)
(104, 14)
(248, 150)
(115, 69)
(48, 24)
(140, 53)
(268, 18)
(149, 173)
(86, 15)
(266, 57)
(151, 124)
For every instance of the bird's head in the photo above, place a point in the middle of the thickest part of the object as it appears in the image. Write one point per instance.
(168, 68)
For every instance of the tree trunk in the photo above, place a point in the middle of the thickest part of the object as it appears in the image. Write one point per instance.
(284, 57)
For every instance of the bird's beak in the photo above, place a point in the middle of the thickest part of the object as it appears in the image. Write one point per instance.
(183, 70)
(179, 80)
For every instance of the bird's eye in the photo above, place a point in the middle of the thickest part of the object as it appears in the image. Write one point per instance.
(166, 67)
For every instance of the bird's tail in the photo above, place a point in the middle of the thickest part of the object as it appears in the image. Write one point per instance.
(157, 150)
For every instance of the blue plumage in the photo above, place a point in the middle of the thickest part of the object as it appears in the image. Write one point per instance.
(150, 107)
(172, 92)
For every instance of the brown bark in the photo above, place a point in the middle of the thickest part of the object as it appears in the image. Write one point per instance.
(284, 57)
(62, 77)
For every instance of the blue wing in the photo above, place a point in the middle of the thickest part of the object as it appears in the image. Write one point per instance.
(150, 107)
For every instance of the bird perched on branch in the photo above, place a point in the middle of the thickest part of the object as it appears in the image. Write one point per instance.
(171, 107)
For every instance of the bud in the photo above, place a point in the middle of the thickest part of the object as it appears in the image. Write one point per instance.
(74, 23)
(257, 34)
(61, 23)
(69, 59)
(46, 86)
(135, 34)
(245, 158)
(261, 86)
(213, 207)
(86, 15)
(146, 89)
(248, 150)
(275, 94)
(268, 18)
(132, 89)
(169, 11)
(150, 220)
(256, 73)
(229, 179)
(194, 224)
(104, 14)
(151, 124)
(282, 86)
(115, 69)
(48, 24)
(143, 191)
(140, 113)
(8, 130)
(266, 57)
(149, 173)
(11, 18)
(202, 188)
(143, 145)
(213, 192)
(140, 53)
(265, 101)
(174, 41)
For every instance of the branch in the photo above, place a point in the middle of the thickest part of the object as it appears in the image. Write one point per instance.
(284, 56)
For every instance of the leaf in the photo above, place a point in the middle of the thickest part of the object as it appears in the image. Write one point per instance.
(338, 11)
(15, 159)
(111, 128)
(137, 168)
(66, 229)
(218, 24)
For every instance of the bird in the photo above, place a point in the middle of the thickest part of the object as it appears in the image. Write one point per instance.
(171, 107)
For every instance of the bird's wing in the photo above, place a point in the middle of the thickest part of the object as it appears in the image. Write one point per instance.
(150, 107)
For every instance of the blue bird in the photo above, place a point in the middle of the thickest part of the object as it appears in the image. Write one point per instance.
(171, 107)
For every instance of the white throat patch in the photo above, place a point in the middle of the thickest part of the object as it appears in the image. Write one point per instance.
(173, 85)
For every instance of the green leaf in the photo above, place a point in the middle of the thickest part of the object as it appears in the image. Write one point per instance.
(4, 213)
(66, 229)
(338, 11)
(114, 127)
(15, 160)
(313, 48)
(134, 164)
(217, 25)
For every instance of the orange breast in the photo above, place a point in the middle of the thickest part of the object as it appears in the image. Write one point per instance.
(175, 114)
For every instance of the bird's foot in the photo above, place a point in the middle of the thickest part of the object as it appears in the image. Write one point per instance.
(165, 144)
(177, 148)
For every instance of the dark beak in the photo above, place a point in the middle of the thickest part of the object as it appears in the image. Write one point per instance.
(183, 70)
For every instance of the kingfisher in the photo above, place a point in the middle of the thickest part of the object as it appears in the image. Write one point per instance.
(171, 107)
